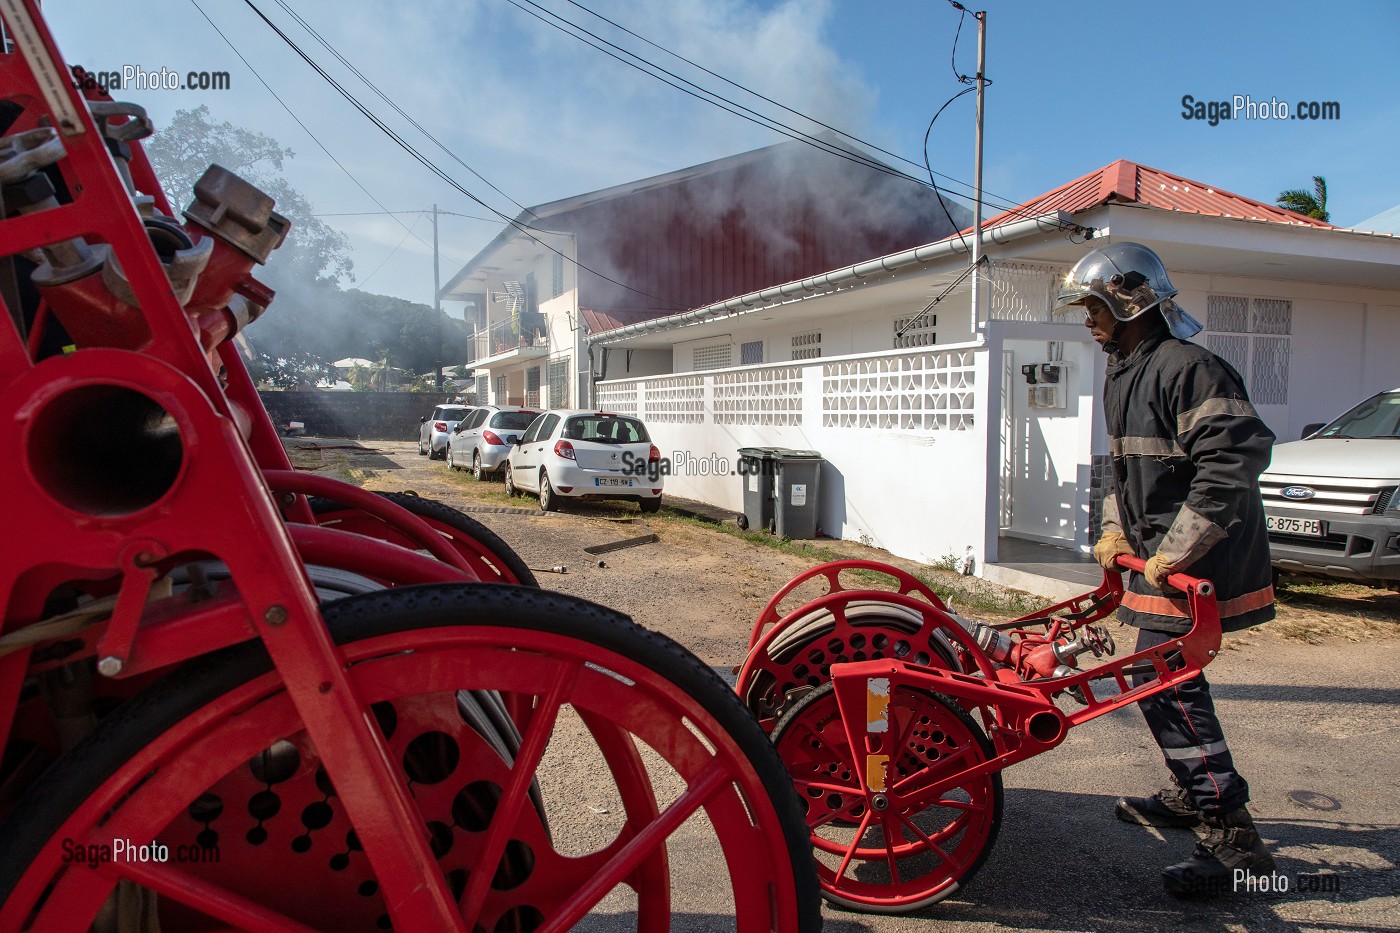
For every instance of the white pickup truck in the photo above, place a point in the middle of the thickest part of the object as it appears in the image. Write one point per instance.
(1331, 499)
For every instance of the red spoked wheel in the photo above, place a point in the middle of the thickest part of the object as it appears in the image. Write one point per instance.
(655, 785)
(829, 576)
(493, 560)
(904, 848)
(795, 656)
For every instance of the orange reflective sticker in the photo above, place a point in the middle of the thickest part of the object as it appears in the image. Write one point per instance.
(877, 704)
(875, 771)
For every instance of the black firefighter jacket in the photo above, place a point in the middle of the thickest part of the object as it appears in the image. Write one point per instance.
(1187, 448)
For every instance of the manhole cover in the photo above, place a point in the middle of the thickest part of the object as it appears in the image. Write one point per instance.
(1312, 800)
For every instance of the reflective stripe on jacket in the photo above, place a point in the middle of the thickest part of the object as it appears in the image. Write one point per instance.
(1187, 449)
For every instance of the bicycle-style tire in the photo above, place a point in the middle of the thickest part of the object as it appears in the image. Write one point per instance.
(180, 761)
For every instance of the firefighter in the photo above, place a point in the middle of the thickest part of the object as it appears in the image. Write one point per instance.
(1187, 448)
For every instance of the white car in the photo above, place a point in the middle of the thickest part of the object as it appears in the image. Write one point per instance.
(1332, 499)
(434, 430)
(586, 455)
(486, 436)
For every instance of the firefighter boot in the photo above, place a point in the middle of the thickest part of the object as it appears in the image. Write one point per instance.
(1168, 807)
(1230, 853)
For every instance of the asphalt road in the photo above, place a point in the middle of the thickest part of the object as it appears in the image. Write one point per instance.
(1313, 728)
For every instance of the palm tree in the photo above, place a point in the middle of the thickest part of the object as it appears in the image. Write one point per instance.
(1312, 204)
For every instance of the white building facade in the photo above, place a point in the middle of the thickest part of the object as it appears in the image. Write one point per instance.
(935, 443)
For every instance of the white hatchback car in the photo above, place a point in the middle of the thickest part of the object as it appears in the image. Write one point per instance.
(484, 438)
(586, 455)
(435, 430)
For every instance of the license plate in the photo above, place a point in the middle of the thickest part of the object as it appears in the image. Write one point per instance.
(1294, 526)
(611, 481)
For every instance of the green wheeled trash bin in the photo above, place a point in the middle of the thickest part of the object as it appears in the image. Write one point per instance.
(796, 493)
(756, 469)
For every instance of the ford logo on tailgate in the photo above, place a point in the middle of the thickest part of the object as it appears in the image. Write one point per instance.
(1298, 492)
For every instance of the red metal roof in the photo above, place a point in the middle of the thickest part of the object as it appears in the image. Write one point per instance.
(1125, 182)
(598, 321)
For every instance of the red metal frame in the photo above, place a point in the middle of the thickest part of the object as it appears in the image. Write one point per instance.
(230, 496)
(218, 479)
(831, 574)
(1018, 713)
(637, 855)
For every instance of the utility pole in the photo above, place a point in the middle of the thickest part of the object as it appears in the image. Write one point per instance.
(977, 174)
(437, 302)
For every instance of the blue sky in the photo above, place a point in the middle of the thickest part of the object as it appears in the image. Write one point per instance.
(1077, 85)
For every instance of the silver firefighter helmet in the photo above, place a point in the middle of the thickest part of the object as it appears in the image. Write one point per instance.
(1131, 280)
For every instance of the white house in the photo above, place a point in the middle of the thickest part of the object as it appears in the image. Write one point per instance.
(676, 241)
(934, 441)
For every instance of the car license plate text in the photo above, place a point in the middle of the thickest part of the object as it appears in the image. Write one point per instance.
(1294, 526)
(611, 481)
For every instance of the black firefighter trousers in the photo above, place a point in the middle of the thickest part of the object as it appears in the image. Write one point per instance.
(1183, 722)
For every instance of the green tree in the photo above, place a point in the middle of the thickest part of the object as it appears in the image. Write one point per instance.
(293, 371)
(359, 377)
(315, 253)
(313, 319)
(1310, 204)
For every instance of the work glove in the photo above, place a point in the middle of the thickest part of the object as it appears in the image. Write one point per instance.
(1156, 571)
(1190, 538)
(1109, 547)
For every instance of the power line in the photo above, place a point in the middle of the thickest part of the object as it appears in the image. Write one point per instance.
(748, 90)
(402, 240)
(1001, 203)
(953, 56)
(431, 166)
(293, 115)
(397, 109)
(929, 132)
(514, 222)
(444, 213)
(698, 92)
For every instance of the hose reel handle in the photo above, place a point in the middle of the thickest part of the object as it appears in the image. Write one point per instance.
(1179, 580)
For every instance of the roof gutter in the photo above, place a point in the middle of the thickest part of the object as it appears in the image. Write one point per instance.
(951, 246)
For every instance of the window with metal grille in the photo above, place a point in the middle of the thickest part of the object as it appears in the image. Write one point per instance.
(807, 346)
(558, 275)
(1272, 316)
(559, 383)
(483, 385)
(1227, 314)
(500, 398)
(1268, 378)
(751, 352)
(921, 334)
(1232, 348)
(532, 387)
(1255, 337)
(717, 357)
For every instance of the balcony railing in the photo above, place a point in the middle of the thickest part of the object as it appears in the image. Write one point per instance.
(505, 337)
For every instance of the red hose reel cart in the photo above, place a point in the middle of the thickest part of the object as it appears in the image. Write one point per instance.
(328, 709)
(895, 716)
